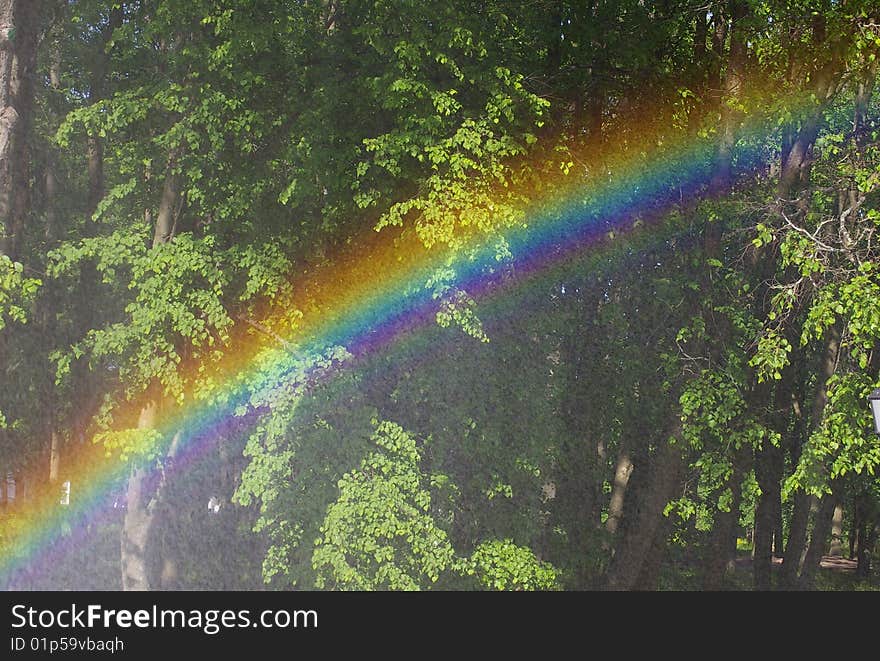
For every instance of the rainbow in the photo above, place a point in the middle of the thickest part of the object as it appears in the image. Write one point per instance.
(370, 294)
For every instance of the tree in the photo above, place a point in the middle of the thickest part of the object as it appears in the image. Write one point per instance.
(609, 268)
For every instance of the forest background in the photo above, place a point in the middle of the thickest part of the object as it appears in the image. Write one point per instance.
(404, 294)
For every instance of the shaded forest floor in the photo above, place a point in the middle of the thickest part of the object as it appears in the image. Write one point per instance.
(835, 574)
(91, 562)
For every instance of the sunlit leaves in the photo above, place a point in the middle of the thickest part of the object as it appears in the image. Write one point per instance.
(502, 565)
(17, 292)
(380, 534)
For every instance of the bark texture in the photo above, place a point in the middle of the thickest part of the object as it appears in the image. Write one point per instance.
(638, 537)
(18, 55)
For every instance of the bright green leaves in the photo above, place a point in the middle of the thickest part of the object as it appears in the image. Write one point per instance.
(131, 444)
(177, 300)
(180, 300)
(502, 565)
(764, 236)
(821, 328)
(380, 534)
(844, 442)
(459, 309)
(460, 194)
(17, 292)
(457, 117)
(856, 302)
(265, 270)
(801, 252)
(106, 117)
(772, 355)
(719, 427)
(709, 406)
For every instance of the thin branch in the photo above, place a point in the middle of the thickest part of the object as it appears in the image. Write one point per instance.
(265, 330)
(812, 237)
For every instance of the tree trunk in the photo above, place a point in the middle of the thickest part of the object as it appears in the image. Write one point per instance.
(721, 549)
(818, 540)
(836, 548)
(797, 540)
(867, 541)
(50, 298)
(701, 31)
(618, 491)
(146, 502)
(768, 471)
(796, 160)
(50, 188)
(83, 380)
(169, 572)
(54, 455)
(719, 38)
(763, 545)
(778, 538)
(166, 217)
(97, 92)
(854, 526)
(18, 54)
(731, 90)
(649, 575)
(863, 535)
(638, 538)
(138, 515)
(573, 507)
(797, 149)
(797, 537)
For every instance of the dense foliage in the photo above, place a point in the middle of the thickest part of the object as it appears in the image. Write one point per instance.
(677, 372)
